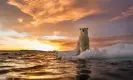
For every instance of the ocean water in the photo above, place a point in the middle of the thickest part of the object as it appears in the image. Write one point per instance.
(35, 65)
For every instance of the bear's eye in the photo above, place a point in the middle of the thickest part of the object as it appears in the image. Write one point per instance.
(83, 30)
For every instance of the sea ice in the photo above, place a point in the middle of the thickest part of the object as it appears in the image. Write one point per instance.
(120, 50)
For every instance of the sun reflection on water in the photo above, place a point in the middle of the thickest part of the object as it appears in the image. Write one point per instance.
(36, 66)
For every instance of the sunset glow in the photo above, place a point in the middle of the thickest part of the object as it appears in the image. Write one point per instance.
(37, 45)
(54, 24)
(25, 44)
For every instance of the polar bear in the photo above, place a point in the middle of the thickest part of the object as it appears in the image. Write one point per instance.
(83, 41)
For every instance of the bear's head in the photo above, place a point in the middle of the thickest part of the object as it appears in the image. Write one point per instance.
(84, 31)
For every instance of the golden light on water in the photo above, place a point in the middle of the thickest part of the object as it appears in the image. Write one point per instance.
(45, 77)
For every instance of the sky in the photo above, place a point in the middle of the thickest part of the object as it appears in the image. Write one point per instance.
(54, 24)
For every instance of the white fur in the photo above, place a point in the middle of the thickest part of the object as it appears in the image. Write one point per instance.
(83, 41)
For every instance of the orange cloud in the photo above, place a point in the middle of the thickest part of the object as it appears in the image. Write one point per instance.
(95, 42)
(20, 20)
(54, 11)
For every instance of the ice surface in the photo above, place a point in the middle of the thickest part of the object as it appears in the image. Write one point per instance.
(120, 50)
